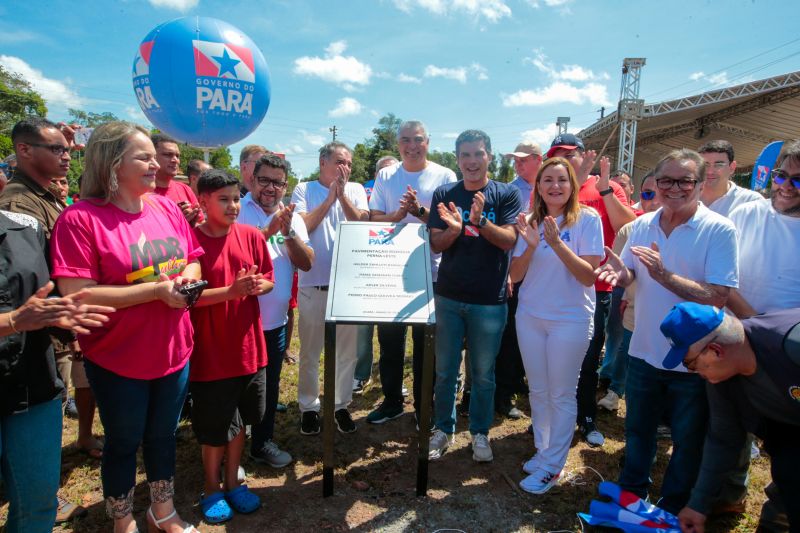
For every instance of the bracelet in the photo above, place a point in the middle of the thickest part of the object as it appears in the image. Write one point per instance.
(11, 322)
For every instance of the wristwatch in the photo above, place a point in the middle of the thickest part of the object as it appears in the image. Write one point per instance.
(421, 211)
(606, 192)
(292, 234)
(483, 221)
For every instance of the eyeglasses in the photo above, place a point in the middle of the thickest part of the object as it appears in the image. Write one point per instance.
(57, 149)
(684, 184)
(648, 195)
(779, 177)
(688, 365)
(264, 182)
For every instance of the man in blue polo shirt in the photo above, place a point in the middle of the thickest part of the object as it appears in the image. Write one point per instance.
(472, 225)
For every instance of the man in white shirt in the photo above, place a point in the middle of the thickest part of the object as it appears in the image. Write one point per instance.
(769, 278)
(322, 205)
(656, 257)
(287, 241)
(403, 193)
(720, 194)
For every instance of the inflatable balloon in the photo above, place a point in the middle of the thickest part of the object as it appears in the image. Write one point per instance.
(202, 81)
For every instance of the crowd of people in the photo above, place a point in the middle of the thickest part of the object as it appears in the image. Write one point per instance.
(691, 293)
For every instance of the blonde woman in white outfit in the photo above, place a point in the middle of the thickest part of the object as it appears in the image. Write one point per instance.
(560, 244)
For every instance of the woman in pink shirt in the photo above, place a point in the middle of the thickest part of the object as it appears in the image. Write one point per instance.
(132, 249)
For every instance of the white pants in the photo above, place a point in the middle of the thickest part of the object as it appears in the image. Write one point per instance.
(552, 353)
(311, 328)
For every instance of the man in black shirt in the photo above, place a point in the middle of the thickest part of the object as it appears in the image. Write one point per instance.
(472, 225)
(753, 372)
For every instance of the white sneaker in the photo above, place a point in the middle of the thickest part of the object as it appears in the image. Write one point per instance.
(439, 443)
(610, 401)
(531, 465)
(481, 450)
(540, 482)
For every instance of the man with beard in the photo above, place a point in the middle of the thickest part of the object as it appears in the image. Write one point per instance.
(288, 244)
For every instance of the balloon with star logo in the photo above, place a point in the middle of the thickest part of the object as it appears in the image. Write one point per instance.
(202, 81)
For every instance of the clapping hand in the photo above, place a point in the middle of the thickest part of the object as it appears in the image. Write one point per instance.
(528, 232)
(613, 271)
(552, 233)
(450, 215)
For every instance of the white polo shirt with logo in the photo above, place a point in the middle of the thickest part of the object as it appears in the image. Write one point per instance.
(703, 249)
(275, 304)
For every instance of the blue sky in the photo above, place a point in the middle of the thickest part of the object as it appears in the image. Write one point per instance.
(508, 67)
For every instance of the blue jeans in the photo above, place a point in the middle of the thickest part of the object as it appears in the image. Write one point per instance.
(276, 345)
(30, 466)
(482, 326)
(614, 332)
(364, 352)
(135, 411)
(651, 391)
(620, 367)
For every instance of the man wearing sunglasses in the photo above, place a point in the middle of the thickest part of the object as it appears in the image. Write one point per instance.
(720, 193)
(753, 370)
(682, 252)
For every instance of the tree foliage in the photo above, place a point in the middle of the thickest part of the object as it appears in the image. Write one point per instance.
(17, 101)
(88, 119)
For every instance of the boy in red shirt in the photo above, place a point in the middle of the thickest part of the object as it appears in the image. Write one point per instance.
(227, 376)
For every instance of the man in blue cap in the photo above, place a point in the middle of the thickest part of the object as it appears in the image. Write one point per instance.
(753, 370)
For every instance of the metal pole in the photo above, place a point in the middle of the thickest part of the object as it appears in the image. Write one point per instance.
(328, 404)
(425, 412)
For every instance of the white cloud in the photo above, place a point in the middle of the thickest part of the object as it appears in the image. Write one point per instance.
(405, 78)
(480, 71)
(549, 3)
(491, 10)
(314, 139)
(450, 135)
(346, 107)
(180, 5)
(720, 78)
(346, 71)
(542, 136)
(559, 92)
(135, 112)
(458, 74)
(53, 91)
(18, 36)
(336, 48)
(566, 72)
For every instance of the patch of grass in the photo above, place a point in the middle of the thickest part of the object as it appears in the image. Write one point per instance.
(375, 478)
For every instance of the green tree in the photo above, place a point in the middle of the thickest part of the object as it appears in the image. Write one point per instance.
(17, 101)
(506, 171)
(88, 119)
(218, 158)
(446, 159)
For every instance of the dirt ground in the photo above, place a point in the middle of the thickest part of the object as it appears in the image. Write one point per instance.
(375, 480)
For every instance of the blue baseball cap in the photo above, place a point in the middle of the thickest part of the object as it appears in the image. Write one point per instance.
(687, 323)
(568, 141)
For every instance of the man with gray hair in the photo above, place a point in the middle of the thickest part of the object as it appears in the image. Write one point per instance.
(753, 372)
(248, 158)
(363, 374)
(656, 257)
(322, 205)
(403, 194)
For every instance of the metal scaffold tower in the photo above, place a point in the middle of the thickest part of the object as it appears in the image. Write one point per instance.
(629, 112)
(561, 124)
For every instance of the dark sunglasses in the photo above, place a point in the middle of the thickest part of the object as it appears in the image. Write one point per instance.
(779, 177)
(648, 195)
